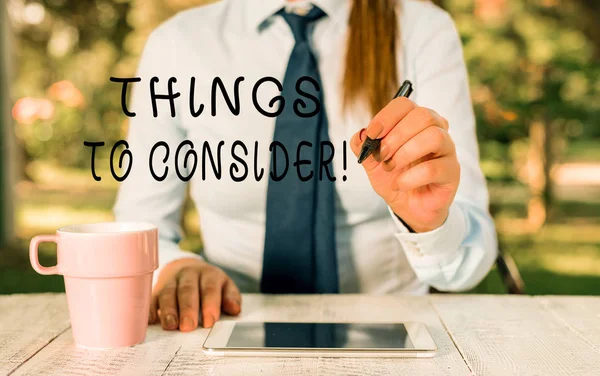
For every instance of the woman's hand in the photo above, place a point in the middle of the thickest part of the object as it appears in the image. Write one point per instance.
(415, 170)
(184, 286)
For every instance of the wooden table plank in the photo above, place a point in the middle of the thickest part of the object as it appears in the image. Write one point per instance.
(580, 313)
(27, 324)
(515, 335)
(326, 308)
(62, 358)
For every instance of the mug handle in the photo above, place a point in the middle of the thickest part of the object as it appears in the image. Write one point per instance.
(33, 254)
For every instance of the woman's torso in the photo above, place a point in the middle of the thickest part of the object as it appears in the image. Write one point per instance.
(219, 41)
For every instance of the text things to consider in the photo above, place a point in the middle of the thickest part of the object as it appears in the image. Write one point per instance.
(307, 160)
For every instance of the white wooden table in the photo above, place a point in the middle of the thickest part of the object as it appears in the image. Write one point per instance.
(476, 335)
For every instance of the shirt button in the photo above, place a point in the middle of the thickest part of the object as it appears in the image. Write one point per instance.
(413, 248)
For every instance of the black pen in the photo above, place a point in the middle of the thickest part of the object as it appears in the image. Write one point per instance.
(370, 145)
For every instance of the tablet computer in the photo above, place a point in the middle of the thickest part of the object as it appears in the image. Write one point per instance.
(403, 339)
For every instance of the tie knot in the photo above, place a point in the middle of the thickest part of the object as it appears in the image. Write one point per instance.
(299, 23)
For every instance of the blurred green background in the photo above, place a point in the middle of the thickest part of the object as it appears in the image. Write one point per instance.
(535, 81)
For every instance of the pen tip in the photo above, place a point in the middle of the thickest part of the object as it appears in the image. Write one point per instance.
(364, 153)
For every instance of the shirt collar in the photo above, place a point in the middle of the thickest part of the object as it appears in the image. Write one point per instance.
(258, 11)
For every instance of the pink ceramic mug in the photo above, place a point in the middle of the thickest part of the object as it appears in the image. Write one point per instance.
(108, 279)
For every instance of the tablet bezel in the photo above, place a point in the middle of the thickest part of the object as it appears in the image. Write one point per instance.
(216, 344)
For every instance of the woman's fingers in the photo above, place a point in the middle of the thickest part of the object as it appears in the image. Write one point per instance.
(167, 301)
(232, 299)
(418, 119)
(389, 116)
(188, 299)
(439, 171)
(211, 287)
(187, 287)
(153, 314)
(410, 121)
(432, 141)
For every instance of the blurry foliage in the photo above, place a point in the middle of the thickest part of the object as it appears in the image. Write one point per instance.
(528, 60)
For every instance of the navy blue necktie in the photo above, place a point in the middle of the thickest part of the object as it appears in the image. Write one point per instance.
(300, 253)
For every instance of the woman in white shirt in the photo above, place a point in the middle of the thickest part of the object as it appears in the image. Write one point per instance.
(412, 215)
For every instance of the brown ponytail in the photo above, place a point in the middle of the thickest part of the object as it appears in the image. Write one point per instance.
(371, 76)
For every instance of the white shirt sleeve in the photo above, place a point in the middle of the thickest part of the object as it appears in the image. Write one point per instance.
(459, 254)
(140, 196)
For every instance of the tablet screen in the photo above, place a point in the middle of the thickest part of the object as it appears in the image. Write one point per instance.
(319, 335)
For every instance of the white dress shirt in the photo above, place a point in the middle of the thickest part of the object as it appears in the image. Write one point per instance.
(375, 252)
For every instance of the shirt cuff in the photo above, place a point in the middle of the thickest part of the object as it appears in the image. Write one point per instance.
(438, 246)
